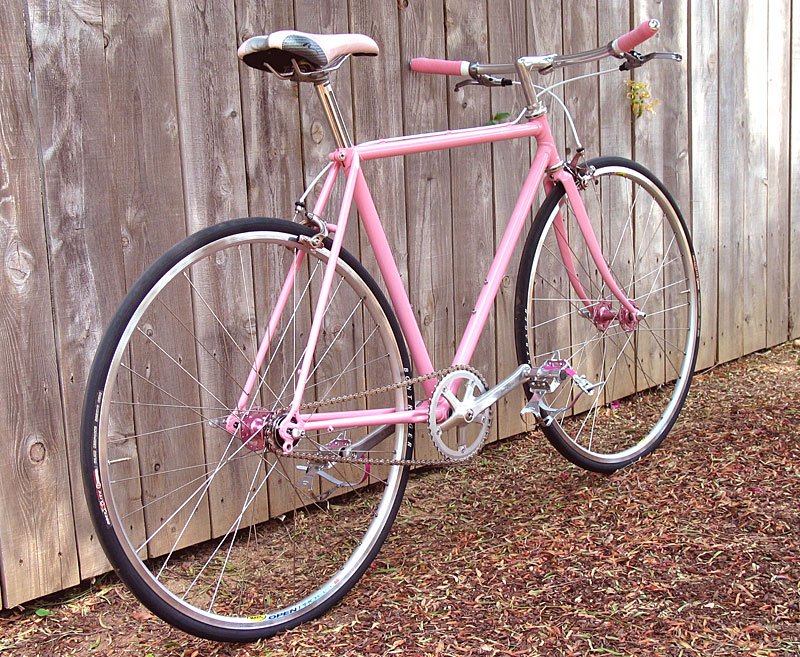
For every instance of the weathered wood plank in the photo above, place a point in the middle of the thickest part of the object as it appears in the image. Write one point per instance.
(615, 124)
(704, 211)
(582, 98)
(779, 186)
(733, 108)
(271, 124)
(508, 40)
(318, 139)
(37, 537)
(754, 272)
(616, 130)
(69, 75)
(376, 113)
(546, 35)
(166, 136)
(149, 194)
(794, 158)
(662, 145)
(210, 129)
(551, 30)
(471, 183)
(427, 188)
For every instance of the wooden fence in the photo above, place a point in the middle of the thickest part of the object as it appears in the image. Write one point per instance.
(125, 125)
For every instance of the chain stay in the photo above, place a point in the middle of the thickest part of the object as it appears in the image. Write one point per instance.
(355, 460)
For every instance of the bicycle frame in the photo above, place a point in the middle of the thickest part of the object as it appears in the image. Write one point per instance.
(547, 167)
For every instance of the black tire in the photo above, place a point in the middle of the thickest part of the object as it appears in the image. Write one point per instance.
(643, 374)
(151, 418)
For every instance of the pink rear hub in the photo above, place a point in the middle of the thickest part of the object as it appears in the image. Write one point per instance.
(251, 427)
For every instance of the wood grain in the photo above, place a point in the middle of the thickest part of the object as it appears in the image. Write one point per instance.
(473, 236)
(508, 40)
(427, 191)
(83, 242)
(794, 158)
(123, 129)
(704, 211)
(754, 271)
(733, 108)
(778, 180)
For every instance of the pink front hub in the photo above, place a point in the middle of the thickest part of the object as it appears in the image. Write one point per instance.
(628, 320)
(602, 314)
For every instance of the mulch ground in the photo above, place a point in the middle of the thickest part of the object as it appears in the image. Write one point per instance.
(693, 551)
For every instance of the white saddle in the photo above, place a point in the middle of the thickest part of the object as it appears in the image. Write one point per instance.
(311, 52)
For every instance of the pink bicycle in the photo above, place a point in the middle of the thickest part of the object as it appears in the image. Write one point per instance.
(249, 419)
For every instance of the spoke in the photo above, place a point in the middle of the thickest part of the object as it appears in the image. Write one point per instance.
(155, 431)
(251, 318)
(335, 337)
(303, 353)
(179, 365)
(596, 405)
(600, 390)
(238, 522)
(656, 277)
(366, 365)
(214, 315)
(197, 504)
(347, 368)
(170, 395)
(305, 503)
(656, 270)
(664, 341)
(248, 501)
(575, 259)
(200, 489)
(665, 287)
(212, 464)
(200, 343)
(628, 225)
(643, 243)
(153, 405)
(290, 324)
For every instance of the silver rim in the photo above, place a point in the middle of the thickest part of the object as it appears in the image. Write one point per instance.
(189, 502)
(650, 257)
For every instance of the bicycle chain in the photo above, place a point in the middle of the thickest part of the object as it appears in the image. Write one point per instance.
(316, 457)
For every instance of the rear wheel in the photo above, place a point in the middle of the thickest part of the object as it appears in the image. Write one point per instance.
(637, 375)
(215, 530)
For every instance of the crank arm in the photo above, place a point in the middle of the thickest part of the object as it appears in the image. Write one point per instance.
(493, 395)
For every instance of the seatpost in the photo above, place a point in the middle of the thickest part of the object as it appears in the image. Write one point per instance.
(334, 114)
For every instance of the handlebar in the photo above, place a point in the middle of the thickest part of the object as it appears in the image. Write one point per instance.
(615, 48)
(440, 66)
(637, 35)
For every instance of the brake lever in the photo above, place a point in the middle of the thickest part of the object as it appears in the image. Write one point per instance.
(486, 81)
(634, 59)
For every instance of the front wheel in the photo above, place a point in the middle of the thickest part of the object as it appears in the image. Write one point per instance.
(637, 375)
(213, 528)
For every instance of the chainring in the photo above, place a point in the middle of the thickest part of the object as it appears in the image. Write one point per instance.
(461, 435)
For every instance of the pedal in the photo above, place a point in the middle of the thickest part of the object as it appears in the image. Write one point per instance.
(547, 380)
(532, 411)
(585, 385)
